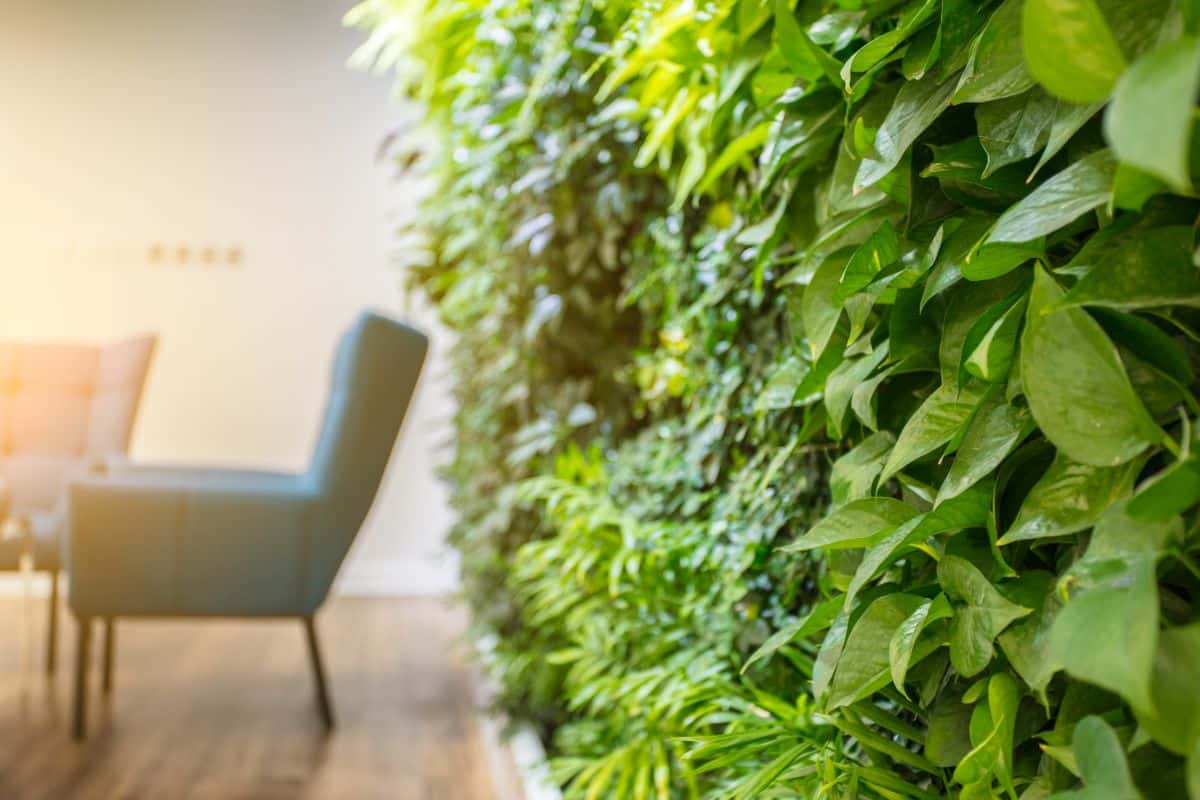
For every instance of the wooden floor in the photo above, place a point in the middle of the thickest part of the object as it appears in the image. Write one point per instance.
(204, 709)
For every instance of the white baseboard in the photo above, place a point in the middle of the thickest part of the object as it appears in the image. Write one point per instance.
(377, 578)
(523, 746)
(396, 577)
(12, 584)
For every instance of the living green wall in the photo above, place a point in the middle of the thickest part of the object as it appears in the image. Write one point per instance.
(826, 385)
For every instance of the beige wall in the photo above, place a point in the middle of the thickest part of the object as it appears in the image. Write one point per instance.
(139, 138)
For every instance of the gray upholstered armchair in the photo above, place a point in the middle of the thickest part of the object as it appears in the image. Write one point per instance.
(64, 409)
(150, 542)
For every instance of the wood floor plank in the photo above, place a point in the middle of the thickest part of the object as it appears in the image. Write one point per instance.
(226, 710)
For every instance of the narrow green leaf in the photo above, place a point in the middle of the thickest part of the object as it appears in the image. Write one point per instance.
(932, 425)
(879, 251)
(996, 68)
(904, 640)
(994, 433)
(1078, 189)
(841, 383)
(879, 48)
(828, 656)
(735, 151)
(917, 105)
(819, 311)
(817, 619)
(802, 55)
(855, 524)
(968, 510)
(992, 758)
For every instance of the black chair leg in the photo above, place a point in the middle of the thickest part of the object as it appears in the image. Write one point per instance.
(82, 654)
(110, 645)
(314, 652)
(52, 626)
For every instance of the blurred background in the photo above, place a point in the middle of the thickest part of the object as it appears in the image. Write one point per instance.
(210, 172)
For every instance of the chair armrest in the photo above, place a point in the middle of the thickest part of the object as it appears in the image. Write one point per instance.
(171, 542)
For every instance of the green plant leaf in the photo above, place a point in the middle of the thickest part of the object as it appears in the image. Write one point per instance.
(841, 383)
(735, 151)
(982, 615)
(948, 739)
(819, 311)
(1069, 498)
(904, 641)
(1070, 49)
(1076, 384)
(992, 757)
(994, 433)
(864, 664)
(1068, 119)
(832, 647)
(1119, 540)
(880, 47)
(1078, 189)
(1141, 269)
(1107, 635)
(855, 524)
(1026, 642)
(816, 620)
(803, 57)
(1015, 128)
(1193, 773)
(1000, 258)
(780, 391)
(1175, 723)
(854, 473)
(1149, 122)
(968, 510)
(991, 342)
(1102, 764)
(996, 68)
(932, 425)
(917, 105)
(880, 250)
(1144, 344)
(1170, 492)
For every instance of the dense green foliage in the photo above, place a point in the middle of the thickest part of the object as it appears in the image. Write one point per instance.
(826, 376)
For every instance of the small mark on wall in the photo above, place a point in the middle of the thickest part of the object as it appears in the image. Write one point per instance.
(181, 255)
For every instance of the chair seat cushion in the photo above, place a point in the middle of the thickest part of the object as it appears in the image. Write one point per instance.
(190, 542)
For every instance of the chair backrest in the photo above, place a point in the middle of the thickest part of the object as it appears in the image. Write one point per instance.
(375, 373)
(62, 405)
